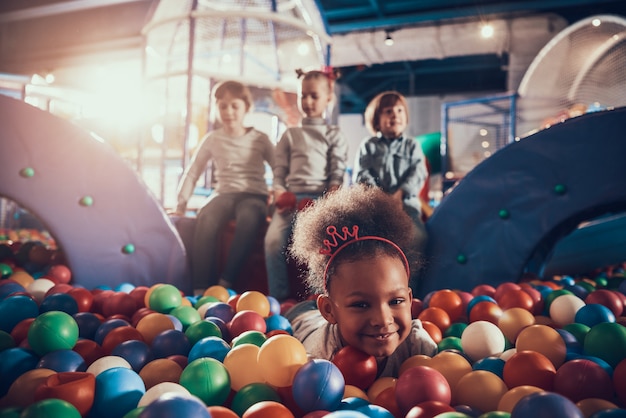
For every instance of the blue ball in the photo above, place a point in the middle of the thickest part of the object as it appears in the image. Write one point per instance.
(14, 362)
(8, 287)
(494, 365)
(221, 325)
(170, 342)
(124, 287)
(571, 343)
(353, 403)
(346, 413)
(318, 385)
(278, 322)
(375, 411)
(62, 361)
(593, 314)
(59, 302)
(136, 353)
(118, 391)
(545, 405)
(476, 299)
(14, 309)
(274, 305)
(88, 324)
(106, 327)
(213, 347)
(220, 310)
(174, 405)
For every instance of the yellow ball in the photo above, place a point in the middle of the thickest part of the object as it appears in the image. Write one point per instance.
(351, 391)
(243, 368)
(253, 300)
(479, 389)
(217, 291)
(512, 397)
(280, 357)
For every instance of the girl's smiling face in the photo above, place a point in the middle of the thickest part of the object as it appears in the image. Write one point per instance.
(392, 121)
(370, 301)
(314, 97)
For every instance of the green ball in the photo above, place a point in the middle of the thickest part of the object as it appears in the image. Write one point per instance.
(461, 259)
(207, 379)
(205, 299)
(6, 341)
(5, 271)
(128, 249)
(606, 341)
(450, 343)
(12, 412)
(187, 315)
(251, 394)
(134, 413)
(50, 408)
(455, 330)
(27, 172)
(164, 298)
(495, 414)
(201, 329)
(53, 330)
(250, 337)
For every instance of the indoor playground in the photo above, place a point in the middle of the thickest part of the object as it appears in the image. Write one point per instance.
(522, 288)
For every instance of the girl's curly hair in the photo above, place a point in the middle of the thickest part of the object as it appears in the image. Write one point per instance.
(373, 210)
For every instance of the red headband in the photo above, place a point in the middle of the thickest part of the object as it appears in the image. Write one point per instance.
(340, 242)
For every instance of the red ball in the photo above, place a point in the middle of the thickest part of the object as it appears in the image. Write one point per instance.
(429, 409)
(246, 320)
(485, 311)
(60, 273)
(77, 388)
(437, 316)
(118, 335)
(387, 399)
(484, 289)
(139, 294)
(83, 298)
(420, 384)
(580, 379)
(89, 350)
(516, 298)
(20, 330)
(358, 368)
(119, 303)
(417, 306)
(304, 203)
(607, 298)
(264, 409)
(449, 301)
(619, 380)
(59, 288)
(529, 368)
(286, 200)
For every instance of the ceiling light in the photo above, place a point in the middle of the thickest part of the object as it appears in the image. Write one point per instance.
(486, 31)
(388, 39)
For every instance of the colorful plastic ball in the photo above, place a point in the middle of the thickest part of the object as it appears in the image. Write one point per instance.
(175, 405)
(318, 384)
(579, 379)
(218, 292)
(437, 316)
(220, 310)
(387, 400)
(278, 322)
(59, 302)
(170, 342)
(252, 394)
(419, 384)
(545, 340)
(433, 330)
(119, 303)
(578, 330)
(152, 325)
(375, 411)
(286, 200)
(606, 341)
(449, 301)
(380, 385)
(619, 381)
(118, 390)
(253, 300)
(207, 379)
(485, 311)
(21, 393)
(564, 308)
(512, 397)
(161, 389)
(50, 408)
(545, 405)
(88, 323)
(163, 298)
(198, 330)
(9, 287)
(15, 309)
(52, 331)
(481, 339)
(62, 361)
(455, 330)
(187, 315)
(213, 347)
(13, 363)
(265, 409)
(6, 340)
(452, 365)
(593, 314)
(429, 409)
(346, 414)
(358, 368)
(218, 411)
(513, 320)
(38, 288)
(83, 298)
(107, 362)
(571, 343)
(136, 352)
(60, 273)
(480, 389)
(529, 368)
(159, 371)
(77, 388)
(597, 408)
(479, 298)
(607, 298)
(242, 366)
(450, 343)
(274, 305)
(280, 357)
(516, 298)
(249, 337)
(246, 320)
(494, 365)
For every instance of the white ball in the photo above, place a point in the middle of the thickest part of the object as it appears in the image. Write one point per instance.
(482, 339)
(156, 391)
(39, 287)
(107, 362)
(563, 309)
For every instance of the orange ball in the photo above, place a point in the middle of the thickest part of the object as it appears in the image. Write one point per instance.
(449, 301)
(480, 390)
(265, 409)
(485, 311)
(159, 371)
(351, 391)
(529, 368)
(379, 385)
(590, 406)
(416, 360)
(545, 340)
(218, 411)
(433, 330)
(512, 397)
(280, 357)
(217, 291)
(387, 399)
(253, 300)
(452, 366)
(437, 316)
(514, 320)
(152, 325)
(22, 391)
(118, 335)
(516, 298)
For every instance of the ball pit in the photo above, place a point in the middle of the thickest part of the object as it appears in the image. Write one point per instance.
(138, 341)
